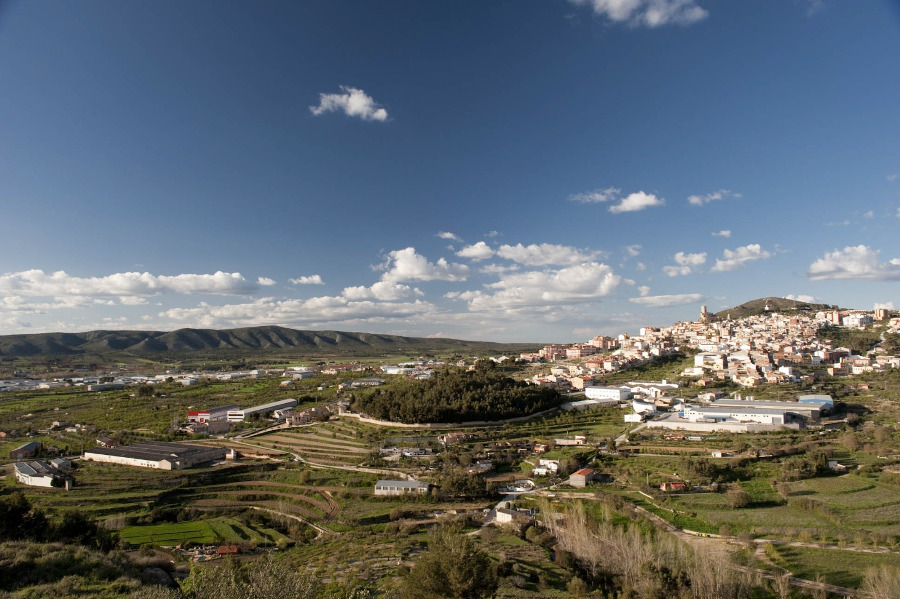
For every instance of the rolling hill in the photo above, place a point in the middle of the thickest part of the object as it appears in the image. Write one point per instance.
(775, 304)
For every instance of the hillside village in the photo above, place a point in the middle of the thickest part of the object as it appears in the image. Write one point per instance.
(751, 351)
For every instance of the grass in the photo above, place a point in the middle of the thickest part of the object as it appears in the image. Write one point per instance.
(841, 568)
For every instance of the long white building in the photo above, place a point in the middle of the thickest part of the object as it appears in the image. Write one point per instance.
(608, 394)
(240, 415)
(162, 456)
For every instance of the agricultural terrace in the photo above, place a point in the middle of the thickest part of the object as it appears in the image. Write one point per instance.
(214, 530)
(335, 442)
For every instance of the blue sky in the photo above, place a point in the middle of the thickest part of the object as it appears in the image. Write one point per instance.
(537, 170)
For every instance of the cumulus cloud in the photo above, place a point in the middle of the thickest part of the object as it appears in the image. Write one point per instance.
(476, 252)
(722, 194)
(647, 13)
(633, 250)
(854, 262)
(544, 254)
(636, 201)
(722, 233)
(382, 290)
(265, 281)
(739, 257)
(308, 280)
(633, 202)
(801, 298)
(408, 265)
(665, 301)
(448, 235)
(685, 264)
(572, 284)
(313, 312)
(36, 282)
(644, 290)
(352, 102)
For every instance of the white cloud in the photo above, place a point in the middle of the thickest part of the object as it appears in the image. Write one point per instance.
(407, 265)
(308, 280)
(353, 102)
(640, 266)
(665, 301)
(644, 290)
(801, 298)
(722, 194)
(573, 284)
(637, 201)
(633, 250)
(647, 13)
(869, 214)
(265, 281)
(314, 312)
(893, 177)
(448, 235)
(739, 257)
(498, 269)
(632, 203)
(544, 254)
(685, 264)
(383, 290)
(885, 305)
(36, 282)
(722, 233)
(476, 252)
(854, 262)
(492, 234)
(598, 196)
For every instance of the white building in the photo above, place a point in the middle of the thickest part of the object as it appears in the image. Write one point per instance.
(608, 394)
(154, 454)
(240, 415)
(401, 487)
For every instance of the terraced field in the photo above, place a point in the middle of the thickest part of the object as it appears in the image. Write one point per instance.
(331, 443)
(200, 531)
(271, 490)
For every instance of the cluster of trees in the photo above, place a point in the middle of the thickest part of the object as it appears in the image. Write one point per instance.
(456, 396)
(627, 561)
(19, 520)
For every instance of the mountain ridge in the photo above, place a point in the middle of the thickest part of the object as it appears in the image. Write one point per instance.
(190, 340)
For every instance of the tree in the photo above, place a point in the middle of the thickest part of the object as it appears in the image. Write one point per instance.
(737, 497)
(453, 566)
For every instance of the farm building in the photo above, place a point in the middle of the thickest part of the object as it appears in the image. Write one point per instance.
(28, 450)
(580, 478)
(241, 415)
(164, 456)
(401, 487)
(212, 414)
(44, 474)
(673, 487)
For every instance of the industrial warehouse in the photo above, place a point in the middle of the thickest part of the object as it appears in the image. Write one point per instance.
(163, 456)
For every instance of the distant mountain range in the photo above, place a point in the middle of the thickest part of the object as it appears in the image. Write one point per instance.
(268, 339)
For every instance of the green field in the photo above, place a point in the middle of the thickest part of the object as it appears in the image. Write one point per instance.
(214, 530)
